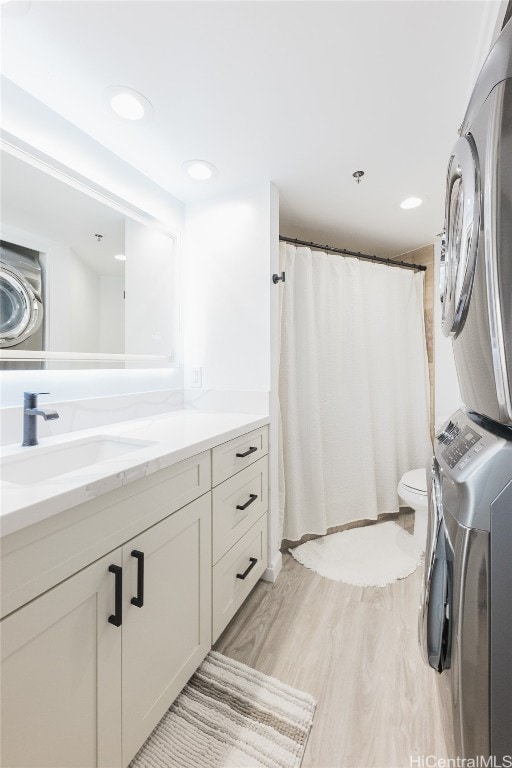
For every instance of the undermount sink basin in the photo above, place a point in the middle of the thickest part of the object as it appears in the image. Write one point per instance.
(39, 463)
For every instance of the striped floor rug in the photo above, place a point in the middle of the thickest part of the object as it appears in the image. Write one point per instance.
(230, 716)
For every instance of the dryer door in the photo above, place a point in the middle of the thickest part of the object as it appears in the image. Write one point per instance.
(435, 608)
(460, 240)
(21, 312)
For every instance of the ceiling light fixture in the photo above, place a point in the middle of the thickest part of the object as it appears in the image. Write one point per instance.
(120, 257)
(127, 106)
(127, 103)
(411, 202)
(200, 170)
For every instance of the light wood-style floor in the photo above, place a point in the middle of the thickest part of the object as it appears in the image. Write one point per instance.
(355, 650)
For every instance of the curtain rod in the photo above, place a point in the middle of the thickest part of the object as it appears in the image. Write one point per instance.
(356, 254)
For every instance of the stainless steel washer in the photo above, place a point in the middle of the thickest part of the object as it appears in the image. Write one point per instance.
(465, 614)
(476, 262)
(21, 298)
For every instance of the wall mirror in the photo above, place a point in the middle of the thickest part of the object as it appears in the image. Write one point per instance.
(84, 281)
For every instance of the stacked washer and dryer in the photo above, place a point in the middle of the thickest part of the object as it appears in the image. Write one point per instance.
(21, 302)
(466, 610)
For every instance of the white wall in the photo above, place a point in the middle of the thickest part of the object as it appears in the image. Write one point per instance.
(274, 555)
(56, 263)
(231, 309)
(447, 393)
(84, 319)
(111, 314)
(67, 385)
(151, 292)
(227, 290)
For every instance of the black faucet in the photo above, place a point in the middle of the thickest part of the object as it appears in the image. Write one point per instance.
(30, 414)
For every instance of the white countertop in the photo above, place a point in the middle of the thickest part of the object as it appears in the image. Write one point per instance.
(177, 435)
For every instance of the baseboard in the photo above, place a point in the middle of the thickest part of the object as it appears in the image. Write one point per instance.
(274, 568)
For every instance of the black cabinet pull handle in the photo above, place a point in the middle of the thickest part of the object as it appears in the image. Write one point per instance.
(243, 455)
(248, 569)
(117, 617)
(252, 497)
(139, 600)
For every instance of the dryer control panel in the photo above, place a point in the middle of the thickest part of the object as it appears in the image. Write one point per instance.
(458, 441)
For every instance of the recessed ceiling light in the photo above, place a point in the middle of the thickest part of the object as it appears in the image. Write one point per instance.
(127, 106)
(127, 103)
(120, 257)
(411, 202)
(200, 170)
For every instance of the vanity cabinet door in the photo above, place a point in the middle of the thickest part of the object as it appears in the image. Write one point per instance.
(167, 632)
(61, 676)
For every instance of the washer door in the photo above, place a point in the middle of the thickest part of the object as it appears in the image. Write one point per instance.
(435, 608)
(460, 240)
(21, 312)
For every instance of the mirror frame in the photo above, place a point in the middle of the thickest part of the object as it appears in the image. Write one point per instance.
(32, 156)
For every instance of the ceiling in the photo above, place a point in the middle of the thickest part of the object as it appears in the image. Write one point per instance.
(301, 93)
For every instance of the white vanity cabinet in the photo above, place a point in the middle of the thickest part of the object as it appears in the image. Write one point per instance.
(239, 523)
(165, 640)
(78, 690)
(61, 676)
(107, 606)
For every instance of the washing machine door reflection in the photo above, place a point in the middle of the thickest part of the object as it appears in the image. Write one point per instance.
(21, 312)
(460, 240)
(435, 625)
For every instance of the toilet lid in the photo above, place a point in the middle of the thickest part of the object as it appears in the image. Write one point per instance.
(416, 480)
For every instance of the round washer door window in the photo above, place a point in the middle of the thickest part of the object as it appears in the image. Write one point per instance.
(16, 310)
(460, 241)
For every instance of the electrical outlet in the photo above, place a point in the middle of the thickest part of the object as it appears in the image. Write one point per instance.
(196, 377)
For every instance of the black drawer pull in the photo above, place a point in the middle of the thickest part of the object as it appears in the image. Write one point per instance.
(117, 617)
(248, 569)
(243, 455)
(252, 497)
(139, 600)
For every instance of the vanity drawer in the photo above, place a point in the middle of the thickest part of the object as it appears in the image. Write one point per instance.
(228, 590)
(249, 489)
(229, 458)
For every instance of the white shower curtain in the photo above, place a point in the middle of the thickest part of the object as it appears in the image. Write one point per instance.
(353, 388)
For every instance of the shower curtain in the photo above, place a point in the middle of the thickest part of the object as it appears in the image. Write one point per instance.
(353, 388)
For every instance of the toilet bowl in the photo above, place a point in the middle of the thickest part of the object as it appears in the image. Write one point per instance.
(412, 490)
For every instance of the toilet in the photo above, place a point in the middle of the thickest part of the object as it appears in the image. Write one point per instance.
(412, 490)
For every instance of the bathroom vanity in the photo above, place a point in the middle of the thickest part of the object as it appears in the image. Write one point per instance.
(117, 578)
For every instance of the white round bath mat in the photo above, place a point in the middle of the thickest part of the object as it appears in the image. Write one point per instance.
(370, 556)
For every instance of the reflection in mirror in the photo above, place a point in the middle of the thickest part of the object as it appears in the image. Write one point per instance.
(77, 275)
